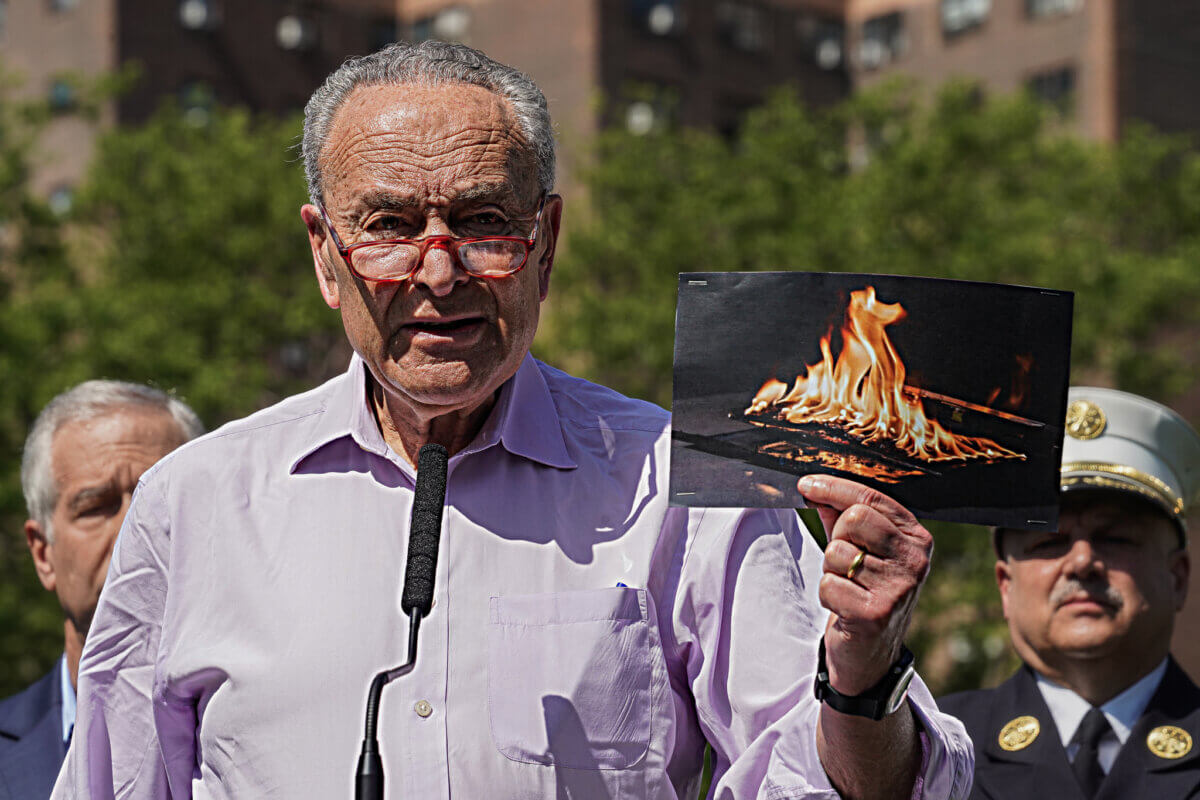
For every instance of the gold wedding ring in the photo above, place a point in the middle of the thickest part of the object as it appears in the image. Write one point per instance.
(856, 564)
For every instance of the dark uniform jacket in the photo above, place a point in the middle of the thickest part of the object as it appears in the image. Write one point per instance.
(31, 739)
(1034, 767)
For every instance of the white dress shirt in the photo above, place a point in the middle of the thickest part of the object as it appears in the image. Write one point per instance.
(68, 700)
(586, 640)
(1122, 713)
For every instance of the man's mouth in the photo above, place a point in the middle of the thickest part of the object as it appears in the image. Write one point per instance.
(443, 327)
(1084, 601)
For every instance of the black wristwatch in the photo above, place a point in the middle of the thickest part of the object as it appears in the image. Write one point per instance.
(875, 703)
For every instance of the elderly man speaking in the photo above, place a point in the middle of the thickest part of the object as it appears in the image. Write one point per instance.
(585, 640)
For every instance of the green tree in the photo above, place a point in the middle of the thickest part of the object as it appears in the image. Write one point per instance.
(33, 262)
(202, 278)
(184, 265)
(955, 187)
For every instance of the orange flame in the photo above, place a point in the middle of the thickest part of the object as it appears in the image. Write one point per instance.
(864, 392)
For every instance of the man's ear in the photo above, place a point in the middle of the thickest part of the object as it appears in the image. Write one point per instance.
(1004, 581)
(41, 551)
(1181, 570)
(551, 223)
(317, 234)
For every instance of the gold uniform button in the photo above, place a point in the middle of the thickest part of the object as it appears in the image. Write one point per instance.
(1085, 420)
(1019, 733)
(1167, 741)
(423, 708)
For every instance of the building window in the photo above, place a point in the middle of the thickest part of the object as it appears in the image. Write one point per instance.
(883, 40)
(1055, 87)
(61, 96)
(3, 15)
(640, 117)
(450, 25)
(650, 107)
(63, 5)
(659, 17)
(61, 198)
(1051, 8)
(962, 15)
(822, 40)
(296, 33)
(198, 15)
(197, 100)
(742, 26)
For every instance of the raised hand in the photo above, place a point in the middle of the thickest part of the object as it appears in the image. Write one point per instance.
(876, 560)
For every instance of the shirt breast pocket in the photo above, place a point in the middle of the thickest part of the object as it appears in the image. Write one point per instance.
(569, 678)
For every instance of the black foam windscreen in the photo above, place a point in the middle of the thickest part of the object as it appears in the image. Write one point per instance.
(425, 529)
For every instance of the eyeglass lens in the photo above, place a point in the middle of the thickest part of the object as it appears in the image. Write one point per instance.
(485, 257)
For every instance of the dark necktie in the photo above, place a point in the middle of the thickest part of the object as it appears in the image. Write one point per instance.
(1086, 765)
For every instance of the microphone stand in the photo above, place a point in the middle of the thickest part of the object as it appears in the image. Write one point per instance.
(368, 781)
(424, 533)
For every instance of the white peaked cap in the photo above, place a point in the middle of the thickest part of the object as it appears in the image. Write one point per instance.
(1120, 441)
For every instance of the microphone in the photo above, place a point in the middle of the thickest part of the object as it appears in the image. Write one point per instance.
(424, 535)
(425, 529)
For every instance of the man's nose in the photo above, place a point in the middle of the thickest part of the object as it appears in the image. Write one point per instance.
(439, 270)
(1082, 558)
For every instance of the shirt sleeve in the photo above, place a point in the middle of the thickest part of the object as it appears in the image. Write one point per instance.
(130, 740)
(746, 622)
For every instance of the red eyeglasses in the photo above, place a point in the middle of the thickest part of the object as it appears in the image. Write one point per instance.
(398, 259)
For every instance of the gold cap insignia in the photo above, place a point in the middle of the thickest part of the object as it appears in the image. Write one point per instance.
(1020, 733)
(1085, 420)
(1167, 741)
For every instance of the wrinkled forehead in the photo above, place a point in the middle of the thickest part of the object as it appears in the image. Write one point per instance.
(430, 140)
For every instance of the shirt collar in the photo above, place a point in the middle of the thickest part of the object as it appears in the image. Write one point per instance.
(524, 420)
(68, 700)
(345, 412)
(1122, 712)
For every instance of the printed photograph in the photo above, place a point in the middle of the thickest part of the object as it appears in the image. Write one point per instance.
(948, 396)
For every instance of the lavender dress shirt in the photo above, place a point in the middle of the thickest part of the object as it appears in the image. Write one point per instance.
(585, 639)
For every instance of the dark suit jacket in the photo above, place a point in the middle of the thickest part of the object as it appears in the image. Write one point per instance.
(1041, 769)
(31, 740)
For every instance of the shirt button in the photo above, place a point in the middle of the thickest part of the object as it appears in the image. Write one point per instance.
(423, 708)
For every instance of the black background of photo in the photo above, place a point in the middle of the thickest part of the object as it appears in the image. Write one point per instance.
(734, 331)
(957, 338)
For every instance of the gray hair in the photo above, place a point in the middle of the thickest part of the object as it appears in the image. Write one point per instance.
(429, 63)
(85, 401)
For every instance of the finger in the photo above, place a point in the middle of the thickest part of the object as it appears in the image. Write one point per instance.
(840, 558)
(866, 528)
(905, 556)
(865, 612)
(840, 494)
(850, 602)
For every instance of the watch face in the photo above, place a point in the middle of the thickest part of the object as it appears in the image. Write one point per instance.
(898, 694)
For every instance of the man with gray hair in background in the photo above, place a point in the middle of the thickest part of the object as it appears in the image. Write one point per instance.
(584, 640)
(83, 457)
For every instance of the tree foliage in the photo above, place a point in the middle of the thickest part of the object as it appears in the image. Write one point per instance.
(185, 265)
(954, 187)
(32, 258)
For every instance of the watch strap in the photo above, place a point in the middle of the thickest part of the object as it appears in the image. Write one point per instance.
(875, 703)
